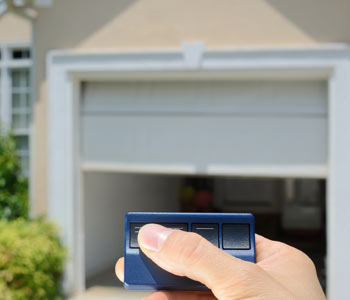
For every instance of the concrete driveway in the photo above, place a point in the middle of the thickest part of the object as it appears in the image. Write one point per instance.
(110, 293)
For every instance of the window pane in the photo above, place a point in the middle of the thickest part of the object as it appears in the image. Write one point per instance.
(27, 100)
(20, 121)
(16, 78)
(25, 165)
(16, 121)
(20, 53)
(20, 78)
(28, 120)
(16, 100)
(22, 143)
(26, 78)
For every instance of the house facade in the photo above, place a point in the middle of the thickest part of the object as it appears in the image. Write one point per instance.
(130, 96)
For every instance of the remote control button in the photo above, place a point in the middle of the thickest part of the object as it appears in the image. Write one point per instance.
(208, 231)
(179, 226)
(236, 236)
(135, 228)
(134, 231)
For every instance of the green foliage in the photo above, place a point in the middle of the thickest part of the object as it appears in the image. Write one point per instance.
(31, 255)
(13, 187)
(31, 260)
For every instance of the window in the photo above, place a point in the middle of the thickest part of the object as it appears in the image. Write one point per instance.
(20, 54)
(21, 107)
(21, 114)
(15, 93)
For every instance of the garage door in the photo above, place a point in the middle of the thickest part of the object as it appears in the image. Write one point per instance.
(205, 127)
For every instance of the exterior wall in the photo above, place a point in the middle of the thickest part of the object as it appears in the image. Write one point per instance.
(131, 24)
(14, 28)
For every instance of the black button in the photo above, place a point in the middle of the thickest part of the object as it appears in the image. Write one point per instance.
(179, 226)
(236, 236)
(134, 231)
(135, 228)
(208, 231)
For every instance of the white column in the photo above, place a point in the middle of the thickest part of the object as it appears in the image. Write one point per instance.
(5, 90)
(338, 196)
(63, 191)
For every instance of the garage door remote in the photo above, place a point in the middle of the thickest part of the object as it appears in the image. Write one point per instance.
(231, 232)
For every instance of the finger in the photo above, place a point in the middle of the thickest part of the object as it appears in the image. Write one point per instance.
(188, 254)
(119, 269)
(267, 249)
(264, 248)
(164, 295)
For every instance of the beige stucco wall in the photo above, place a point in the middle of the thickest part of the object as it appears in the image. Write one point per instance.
(132, 24)
(14, 28)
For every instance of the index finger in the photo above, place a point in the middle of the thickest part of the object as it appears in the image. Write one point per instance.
(119, 269)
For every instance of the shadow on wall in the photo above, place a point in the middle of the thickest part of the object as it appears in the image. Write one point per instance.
(92, 17)
(322, 20)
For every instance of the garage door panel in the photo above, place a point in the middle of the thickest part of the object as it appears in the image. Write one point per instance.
(204, 140)
(204, 124)
(257, 97)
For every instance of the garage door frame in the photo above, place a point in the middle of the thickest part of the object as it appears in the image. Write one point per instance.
(66, 71)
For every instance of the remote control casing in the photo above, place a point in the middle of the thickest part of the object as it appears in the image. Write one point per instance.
(234, 230)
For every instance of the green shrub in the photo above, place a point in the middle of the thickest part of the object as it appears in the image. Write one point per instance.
(13, 186)
(31, 260)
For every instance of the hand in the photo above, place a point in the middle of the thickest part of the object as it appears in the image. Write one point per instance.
(281, 272)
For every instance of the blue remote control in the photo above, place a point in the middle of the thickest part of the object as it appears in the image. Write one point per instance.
(231, 232)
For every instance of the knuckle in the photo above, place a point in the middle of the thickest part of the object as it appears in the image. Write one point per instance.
(306, 260)
(301, 258)
(191, 249)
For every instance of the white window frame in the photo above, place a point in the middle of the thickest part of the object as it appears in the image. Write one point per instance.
(7, 64)
(66, 71)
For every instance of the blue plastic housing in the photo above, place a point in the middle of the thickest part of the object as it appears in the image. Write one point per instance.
(140, 273)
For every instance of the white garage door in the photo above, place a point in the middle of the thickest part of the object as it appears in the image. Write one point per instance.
(205, 127)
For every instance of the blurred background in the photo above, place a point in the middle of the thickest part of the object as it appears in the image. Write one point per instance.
(161, 105)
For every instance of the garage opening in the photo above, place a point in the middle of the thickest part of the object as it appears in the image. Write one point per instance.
(151, 145)
(288, 210)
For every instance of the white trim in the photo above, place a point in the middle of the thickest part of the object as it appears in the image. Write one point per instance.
(6, 92)
(193, 53)
(67, 69)
(18, 64)
(278, 171)
(338, 187)
(78, 176)
(17, 44)
(32, 138)
(138, 168)
(21, 131)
